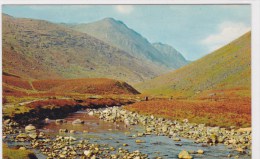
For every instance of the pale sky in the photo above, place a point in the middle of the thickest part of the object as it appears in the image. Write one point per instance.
(194, 30)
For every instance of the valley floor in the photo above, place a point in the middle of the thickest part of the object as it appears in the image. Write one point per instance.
(230, 114)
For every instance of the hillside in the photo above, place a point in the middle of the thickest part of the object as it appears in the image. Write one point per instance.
(173, 58)
(15, 85)
(225, 72)
(39, 49)
(118, 34)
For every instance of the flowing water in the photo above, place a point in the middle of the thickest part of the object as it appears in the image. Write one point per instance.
(116, 134)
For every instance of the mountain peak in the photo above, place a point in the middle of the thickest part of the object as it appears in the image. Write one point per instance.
(111, 20)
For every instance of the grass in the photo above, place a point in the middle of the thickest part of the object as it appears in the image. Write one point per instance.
(226, 68)
(10, 109)
(17, 86)
(10, 153)
(222, 113)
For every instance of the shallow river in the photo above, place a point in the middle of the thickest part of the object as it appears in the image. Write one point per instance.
(116, 135)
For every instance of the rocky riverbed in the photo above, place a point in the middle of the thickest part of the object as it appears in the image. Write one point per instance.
(117, 133)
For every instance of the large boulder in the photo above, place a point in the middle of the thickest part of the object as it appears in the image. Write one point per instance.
(184, 155)
(30, 129)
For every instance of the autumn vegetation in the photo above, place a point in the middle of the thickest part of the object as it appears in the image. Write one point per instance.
(224, 113)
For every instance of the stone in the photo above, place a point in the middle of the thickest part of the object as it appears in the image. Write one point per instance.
(73, 153)
(33, 135)
(164, 128)
(30, 128)
(47, 120)
(240, 150)
(62, 156)
(88, 153)
(7, 121)
(176, 139)
(78, 121)
(184, 155)
(91, 113)
(72, 131)
(63, 130)
(139, 141)
(140, 134)
(22, 148)
(200, 151)
(22, 135)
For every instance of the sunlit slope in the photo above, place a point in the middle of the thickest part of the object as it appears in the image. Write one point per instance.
(226, 70)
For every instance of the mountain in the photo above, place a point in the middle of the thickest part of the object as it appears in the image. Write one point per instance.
(225, 72)
(43, 50)
(118, 34)
(172, 57)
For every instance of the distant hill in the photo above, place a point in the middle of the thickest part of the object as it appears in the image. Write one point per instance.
(15, 85)
(225, 72)
(39, 49)
(173, 58)
(118, 34)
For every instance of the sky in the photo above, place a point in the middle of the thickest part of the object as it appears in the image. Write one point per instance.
(194, 30)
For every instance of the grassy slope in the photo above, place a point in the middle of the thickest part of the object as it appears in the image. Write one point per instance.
(42, 50)
(13, 85)
(226, 71)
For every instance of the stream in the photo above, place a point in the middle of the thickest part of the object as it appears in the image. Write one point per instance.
(102, 132)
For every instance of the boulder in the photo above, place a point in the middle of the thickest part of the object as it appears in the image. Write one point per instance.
(176, 139)
(33, 135)
(59, 121)
(7, 121)
(185, 155)
(78, 121)
(200, 151)
(22, 135)
(139, 141)
(88, 153)
(22, 148)
(91, 113)
(30, 128)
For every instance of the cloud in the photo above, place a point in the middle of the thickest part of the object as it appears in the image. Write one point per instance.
(124, 9)
(227, 32)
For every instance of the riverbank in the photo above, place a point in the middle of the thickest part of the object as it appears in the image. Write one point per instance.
(31, 112)
(238, 139)
(61, 136)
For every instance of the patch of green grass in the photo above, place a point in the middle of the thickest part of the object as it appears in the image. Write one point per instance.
(9, 153)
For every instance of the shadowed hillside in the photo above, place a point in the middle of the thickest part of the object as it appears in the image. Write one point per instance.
(116, 33)
(42, 50)
(225, 72)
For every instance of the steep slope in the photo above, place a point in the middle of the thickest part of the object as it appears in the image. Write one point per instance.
(43, 50)
(226, 71)
(116, 33)
(173, 58)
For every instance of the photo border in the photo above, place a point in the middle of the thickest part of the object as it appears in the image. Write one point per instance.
(255, 47)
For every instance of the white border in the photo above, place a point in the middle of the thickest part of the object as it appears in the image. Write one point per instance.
(255, 47)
